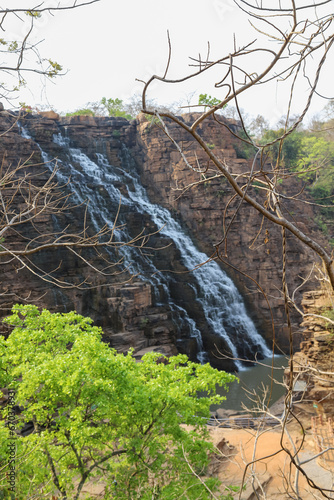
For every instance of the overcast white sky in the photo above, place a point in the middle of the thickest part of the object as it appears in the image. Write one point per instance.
(106, 46)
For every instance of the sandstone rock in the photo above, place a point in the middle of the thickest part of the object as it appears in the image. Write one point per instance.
(201, 208)
(80, 120)
(122, 311)
(314, 364)
(164, 350)
(50, 115)
(225, 414)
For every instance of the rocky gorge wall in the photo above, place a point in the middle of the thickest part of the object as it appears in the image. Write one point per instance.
(134, 315)
(314, 363)
(254, 246)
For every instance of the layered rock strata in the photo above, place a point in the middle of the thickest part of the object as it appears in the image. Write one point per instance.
(314, 364)
(254, 245)
(131, 316)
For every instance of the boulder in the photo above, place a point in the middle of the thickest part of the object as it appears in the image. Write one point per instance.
(50, 115)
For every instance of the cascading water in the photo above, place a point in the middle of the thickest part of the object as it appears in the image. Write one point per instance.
(83, 186)
(222, 304)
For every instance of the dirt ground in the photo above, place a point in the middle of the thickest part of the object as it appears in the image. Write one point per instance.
(262, 460)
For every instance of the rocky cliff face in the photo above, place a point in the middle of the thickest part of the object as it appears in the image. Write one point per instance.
(128, 313)
(254, 246)
(136, 315)
(314, 364)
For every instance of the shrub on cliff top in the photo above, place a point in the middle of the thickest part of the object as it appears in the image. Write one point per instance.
(115, 107)
(82, 112)
(99, 414)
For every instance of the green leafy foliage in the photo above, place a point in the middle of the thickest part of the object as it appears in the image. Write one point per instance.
(26, 108)
(116, 134)
(289, 151)
(323, 187)
(13, 46)
(33, 13)
(314, 155)
(54, 69)
(310, 156)
(115, 107)
(231, 490)
(208, 101)
(328, 313)
(301, 151)
(137, 426)
(243, 149)
(81, 112)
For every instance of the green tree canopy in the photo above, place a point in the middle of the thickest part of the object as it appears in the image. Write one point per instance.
(208, 101)
(288, 151)
(115, 107)
(315, 155)
(81, 112)
(97, 413)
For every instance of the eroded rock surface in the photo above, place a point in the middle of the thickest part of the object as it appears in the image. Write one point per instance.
(134, 316)
(314, 364)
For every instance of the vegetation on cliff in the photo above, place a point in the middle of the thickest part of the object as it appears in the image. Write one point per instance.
(306, 153)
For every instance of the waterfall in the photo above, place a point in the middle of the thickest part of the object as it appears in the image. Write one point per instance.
(215, 292)
(84, 185)
(223, 306)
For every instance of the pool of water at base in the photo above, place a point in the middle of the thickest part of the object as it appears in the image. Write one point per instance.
(253, 379)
